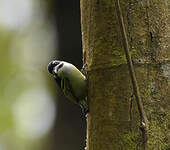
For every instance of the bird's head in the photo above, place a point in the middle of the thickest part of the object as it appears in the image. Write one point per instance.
(54, 66)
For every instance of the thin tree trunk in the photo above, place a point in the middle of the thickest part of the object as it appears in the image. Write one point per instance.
(113, 122)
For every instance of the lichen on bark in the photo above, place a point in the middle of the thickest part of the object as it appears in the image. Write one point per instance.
(109, 125)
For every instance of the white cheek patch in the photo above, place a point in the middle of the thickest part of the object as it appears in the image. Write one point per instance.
(55, 70)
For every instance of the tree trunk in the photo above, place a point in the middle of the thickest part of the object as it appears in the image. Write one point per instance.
(113, 121)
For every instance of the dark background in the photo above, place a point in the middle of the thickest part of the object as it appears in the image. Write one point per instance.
(69, 132)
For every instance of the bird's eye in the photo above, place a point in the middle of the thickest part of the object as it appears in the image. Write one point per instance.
(55, 62)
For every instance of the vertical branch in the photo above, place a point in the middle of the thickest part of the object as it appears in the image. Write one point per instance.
(143, 117)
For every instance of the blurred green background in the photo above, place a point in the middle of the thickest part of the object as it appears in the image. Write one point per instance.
(34, 114)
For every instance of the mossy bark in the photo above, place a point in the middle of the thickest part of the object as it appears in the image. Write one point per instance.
(113, 120)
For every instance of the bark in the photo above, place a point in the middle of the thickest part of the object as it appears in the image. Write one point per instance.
(113, 121)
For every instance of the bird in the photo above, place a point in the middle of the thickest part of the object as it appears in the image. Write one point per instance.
(72, 82)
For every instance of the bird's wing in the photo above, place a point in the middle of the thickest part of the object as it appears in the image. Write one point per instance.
(68, 90)
(58, 81)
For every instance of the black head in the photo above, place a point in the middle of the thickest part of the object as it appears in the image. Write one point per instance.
(55, 65)
(51, 66)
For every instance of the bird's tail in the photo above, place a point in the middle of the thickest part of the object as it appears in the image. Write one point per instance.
(84, 106)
